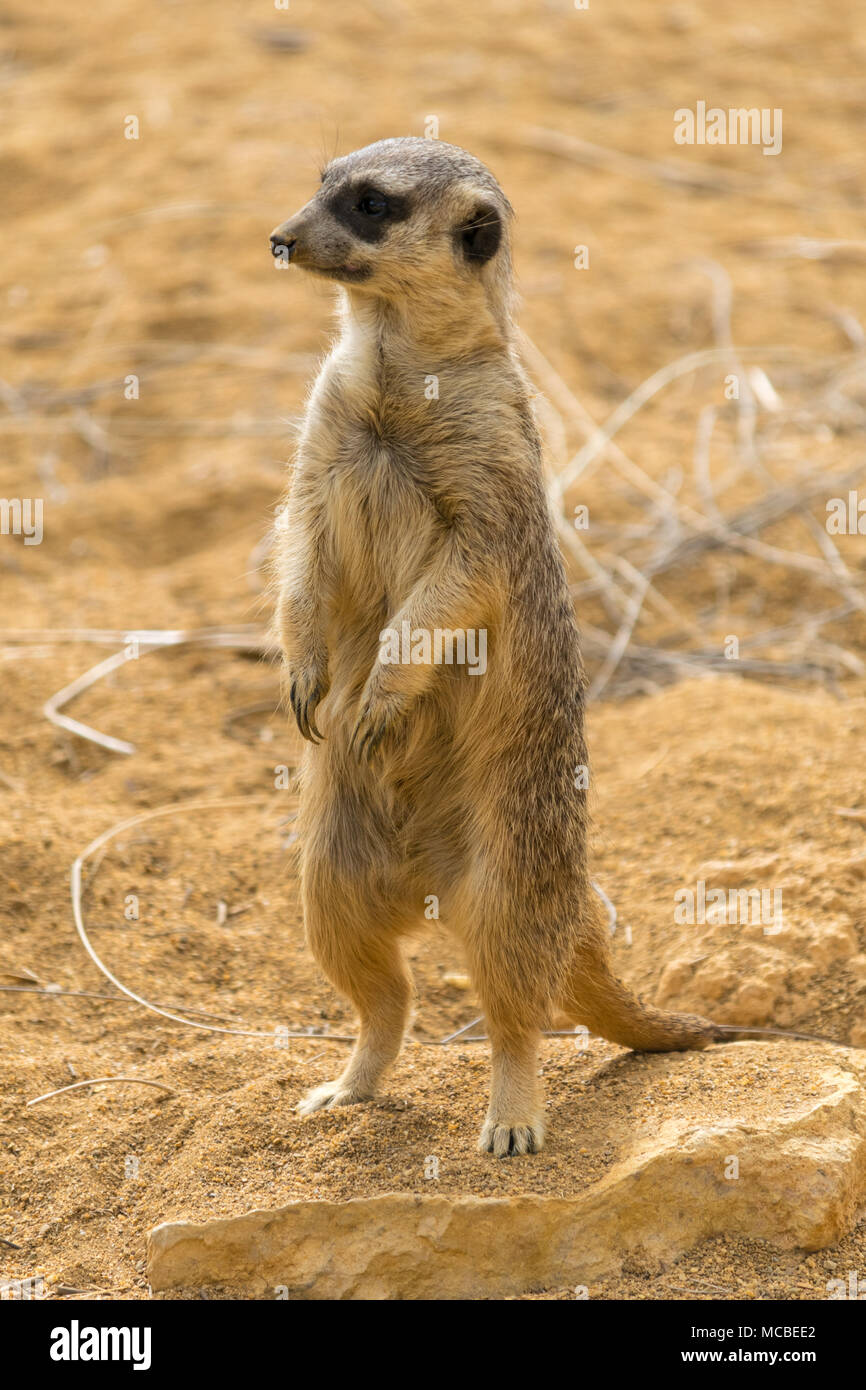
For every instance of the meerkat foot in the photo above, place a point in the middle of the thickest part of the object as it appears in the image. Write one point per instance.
(330, 1095)
(504, 1140)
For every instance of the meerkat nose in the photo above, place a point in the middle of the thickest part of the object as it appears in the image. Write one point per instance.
(282, 246)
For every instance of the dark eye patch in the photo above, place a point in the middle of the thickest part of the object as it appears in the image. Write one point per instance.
(367, 211)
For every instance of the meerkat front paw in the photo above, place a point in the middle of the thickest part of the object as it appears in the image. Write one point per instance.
(326, 1097)
(504, 1140)
(379, 715)
(307, 687)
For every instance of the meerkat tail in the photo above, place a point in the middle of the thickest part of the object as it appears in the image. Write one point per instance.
(594, 996)
(597, 998)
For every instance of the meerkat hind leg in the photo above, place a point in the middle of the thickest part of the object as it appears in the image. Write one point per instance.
(515, 1119)
(504, 967)
(366, 965)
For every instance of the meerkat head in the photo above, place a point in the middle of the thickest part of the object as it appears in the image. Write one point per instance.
(405, 219)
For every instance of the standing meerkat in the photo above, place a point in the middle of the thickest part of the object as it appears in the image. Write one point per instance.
(417, 506)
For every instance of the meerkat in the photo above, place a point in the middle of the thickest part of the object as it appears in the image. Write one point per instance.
(417, 504)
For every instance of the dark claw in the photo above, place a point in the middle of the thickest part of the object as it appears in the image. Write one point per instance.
(367, 744)
(304, 712)
(309, 724)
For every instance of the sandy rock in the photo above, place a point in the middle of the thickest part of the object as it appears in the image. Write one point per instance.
(755, 980)
(801, 1177)
(745, 984)
(827, 941)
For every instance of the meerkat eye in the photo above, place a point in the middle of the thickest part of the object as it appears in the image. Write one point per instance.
(372, 205)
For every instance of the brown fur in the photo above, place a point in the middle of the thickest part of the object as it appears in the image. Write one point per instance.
(422, 779)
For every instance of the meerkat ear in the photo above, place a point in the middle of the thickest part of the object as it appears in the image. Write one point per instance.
(480, 234)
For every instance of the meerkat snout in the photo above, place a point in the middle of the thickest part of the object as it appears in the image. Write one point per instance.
(282, 245)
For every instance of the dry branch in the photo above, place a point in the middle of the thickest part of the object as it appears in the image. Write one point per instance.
(142, 642)
(104, 1081)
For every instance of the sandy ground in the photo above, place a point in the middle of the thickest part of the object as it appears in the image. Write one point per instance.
(148, 258)
(86, 1174)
